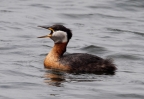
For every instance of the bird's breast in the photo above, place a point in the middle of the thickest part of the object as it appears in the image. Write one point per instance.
(54, 63)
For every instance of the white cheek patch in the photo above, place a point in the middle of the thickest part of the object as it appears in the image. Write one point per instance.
(59, 37)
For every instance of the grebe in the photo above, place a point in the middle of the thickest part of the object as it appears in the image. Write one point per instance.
(76, 62)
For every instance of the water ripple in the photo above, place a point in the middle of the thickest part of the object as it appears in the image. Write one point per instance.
(94, 49)
(120, 30)
(40, 5)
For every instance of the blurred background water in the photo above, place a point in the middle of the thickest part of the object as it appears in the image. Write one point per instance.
(107, 28)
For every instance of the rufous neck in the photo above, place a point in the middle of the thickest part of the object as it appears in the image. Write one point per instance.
(58, 49)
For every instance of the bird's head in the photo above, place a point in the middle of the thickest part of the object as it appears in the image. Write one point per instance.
(59, 33)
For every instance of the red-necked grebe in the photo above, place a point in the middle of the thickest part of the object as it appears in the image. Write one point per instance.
(76, 62)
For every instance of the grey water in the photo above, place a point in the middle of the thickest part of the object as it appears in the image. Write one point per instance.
(106, 28)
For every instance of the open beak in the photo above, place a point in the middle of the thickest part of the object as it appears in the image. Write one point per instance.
(46, 27)
(46, 36)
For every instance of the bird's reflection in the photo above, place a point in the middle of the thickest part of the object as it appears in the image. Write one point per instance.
(57, 77)
(54, 77)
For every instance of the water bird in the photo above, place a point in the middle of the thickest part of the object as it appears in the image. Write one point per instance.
(75, 62)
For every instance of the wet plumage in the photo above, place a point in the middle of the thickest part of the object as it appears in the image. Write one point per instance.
(76, 62)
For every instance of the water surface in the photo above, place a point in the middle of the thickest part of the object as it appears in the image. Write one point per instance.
(107, 28)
